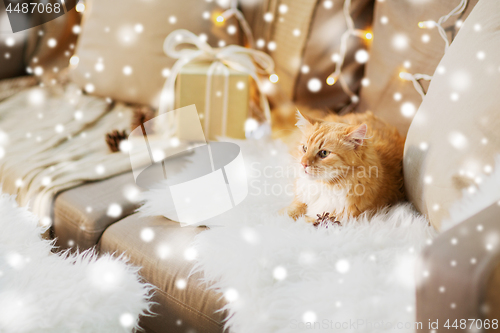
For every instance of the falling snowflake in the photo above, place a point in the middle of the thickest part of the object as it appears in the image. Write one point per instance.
(38, 70)
(231, 295)
(309, 317)
(52, 42)
(59, 128)
(131, 193)
(89, 87)
(127, 320)
(268, 17)
(280, 273)
(459, 80)
(342, 266)
(10, 41)
(147, 235)
(283, 9)
(457, 140)
(314, 85)
(100, 169)
(163, 251)
(106, 275)
(190, 254)
(127, 70)
(99, 67)
(400, 42)
(408, 109)
(181, 284)
(361, 56)
(114, 210)
(250, 235)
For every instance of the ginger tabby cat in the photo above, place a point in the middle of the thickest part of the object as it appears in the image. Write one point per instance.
(350, 164)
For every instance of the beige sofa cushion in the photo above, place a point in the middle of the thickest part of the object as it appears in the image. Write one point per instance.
(398, 39)
(120, 48)
(159, 247)
(454, 138)
(472, 284)
(81, 214)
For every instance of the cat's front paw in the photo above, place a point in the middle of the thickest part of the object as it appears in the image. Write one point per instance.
(310, 219)
(296, 210)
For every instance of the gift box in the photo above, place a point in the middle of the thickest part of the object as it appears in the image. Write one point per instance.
(221, 95)
(222, 83)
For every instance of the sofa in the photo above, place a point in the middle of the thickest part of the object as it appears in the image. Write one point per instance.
(160, 247)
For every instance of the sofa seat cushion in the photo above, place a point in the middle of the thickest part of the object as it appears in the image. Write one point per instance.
(81, 214)
(453, 140)
(162, 249)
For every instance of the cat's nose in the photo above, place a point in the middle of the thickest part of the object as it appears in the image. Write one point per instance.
(305, 165)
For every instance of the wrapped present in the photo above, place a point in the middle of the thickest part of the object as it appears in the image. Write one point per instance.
(217, 80)
(221, 95)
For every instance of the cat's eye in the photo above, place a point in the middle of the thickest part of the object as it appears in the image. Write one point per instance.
(323, 153)
(304, 148)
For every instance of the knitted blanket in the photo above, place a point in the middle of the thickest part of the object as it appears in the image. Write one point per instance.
(53, 139)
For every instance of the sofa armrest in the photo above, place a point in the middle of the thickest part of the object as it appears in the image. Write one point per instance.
(10, 87)
(458, 275)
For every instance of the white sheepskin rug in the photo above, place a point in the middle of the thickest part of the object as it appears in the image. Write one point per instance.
(278, 275)
(41, 291)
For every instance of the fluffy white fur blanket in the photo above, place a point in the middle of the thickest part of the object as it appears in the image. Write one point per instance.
(45, 292)
(284, 276)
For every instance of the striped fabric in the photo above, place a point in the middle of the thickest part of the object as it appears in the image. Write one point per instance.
(10, 87)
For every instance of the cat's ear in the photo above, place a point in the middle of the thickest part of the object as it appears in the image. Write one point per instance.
(304, 122)
(358, 135)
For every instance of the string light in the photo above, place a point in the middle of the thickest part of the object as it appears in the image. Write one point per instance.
(439, 24)
(336, 76)
(234, 11)
(414, 78)
(331, 80)
(426, 24)
(273, 78)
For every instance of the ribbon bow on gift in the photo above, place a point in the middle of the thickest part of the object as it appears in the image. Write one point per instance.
(249, 61)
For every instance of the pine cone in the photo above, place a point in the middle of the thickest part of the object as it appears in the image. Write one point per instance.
(141, 115)
(325, 219)
(114, 138)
